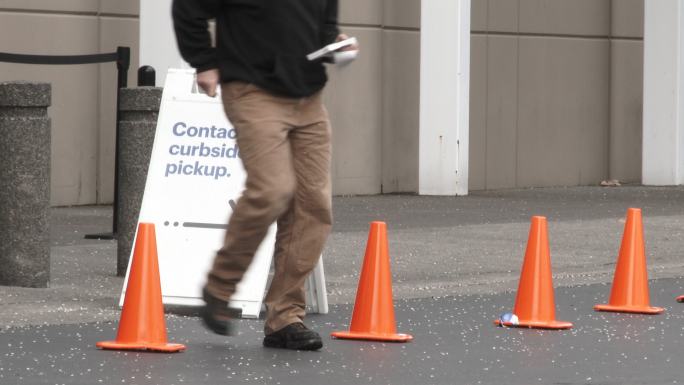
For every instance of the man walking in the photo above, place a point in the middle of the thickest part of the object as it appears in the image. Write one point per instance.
(272, 95)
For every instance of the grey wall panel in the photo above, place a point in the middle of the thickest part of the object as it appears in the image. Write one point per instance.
(502, 15)
(576, 101)
(401, 101)
(52, 5)
(354, 98)
(74, 94)
(563, 111)
(401, 13)
(361, 12)
(478, 15)
(478, 112)
(114, 31)
(502, 111)
(626, 110)
(123, 7)
(576, 17)
(374, 102)
(628, 18)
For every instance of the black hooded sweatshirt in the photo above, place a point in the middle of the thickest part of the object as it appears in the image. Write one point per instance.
(263, 42)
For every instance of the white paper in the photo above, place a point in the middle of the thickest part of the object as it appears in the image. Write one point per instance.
(330, 48)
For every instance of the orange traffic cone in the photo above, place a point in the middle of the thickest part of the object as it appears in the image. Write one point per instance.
(142, 325)
(534, 302)
(373, 316)
(630, 283)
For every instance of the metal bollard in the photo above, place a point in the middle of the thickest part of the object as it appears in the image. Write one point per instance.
(147, 76)
(24, 184)
(139, 108)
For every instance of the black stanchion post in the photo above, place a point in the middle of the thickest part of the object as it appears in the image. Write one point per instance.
(123, 63)
(147, 77)
(122, 66)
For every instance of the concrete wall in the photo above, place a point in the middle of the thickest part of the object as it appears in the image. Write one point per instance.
(83, 96)
(556, 92)
(374, 103)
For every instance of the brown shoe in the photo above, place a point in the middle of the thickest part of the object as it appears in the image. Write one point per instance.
(216, 314)
(294, 336)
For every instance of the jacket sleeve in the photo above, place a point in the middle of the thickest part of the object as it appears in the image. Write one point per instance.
(190, 21)
(330, 29)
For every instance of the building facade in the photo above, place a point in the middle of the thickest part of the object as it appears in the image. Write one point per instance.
(83, 96)
(556, 91)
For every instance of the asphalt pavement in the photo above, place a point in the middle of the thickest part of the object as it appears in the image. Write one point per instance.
(455, 266)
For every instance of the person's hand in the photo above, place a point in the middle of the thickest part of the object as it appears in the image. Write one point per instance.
(353, 47)
(208, 81)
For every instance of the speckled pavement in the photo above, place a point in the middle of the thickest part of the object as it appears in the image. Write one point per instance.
(455, 267)
(455, 343)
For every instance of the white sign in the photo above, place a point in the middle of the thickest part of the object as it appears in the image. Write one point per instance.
(194, 179)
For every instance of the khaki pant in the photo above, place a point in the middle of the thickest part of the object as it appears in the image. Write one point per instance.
(285, 147)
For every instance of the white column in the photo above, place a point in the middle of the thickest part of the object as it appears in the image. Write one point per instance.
(663, 125)
(157, 39)
(444, 97)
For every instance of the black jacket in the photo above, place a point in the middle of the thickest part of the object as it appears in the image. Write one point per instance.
(264, 42)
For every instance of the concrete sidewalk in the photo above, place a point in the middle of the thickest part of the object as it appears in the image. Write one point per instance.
(439, 246)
